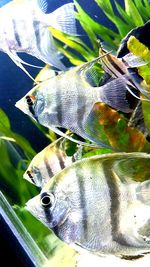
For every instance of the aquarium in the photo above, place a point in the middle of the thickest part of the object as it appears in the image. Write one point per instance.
(75, 132)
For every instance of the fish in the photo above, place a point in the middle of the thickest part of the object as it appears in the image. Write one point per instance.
(24, 27)
(67, 101)
(50, 161)
(100, 204)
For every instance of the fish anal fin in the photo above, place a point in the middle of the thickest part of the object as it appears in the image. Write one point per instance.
(15, 58)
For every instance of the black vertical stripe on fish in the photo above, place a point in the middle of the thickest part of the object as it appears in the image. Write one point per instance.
(30, 176)
(37, 29)
(59, 107)
(82, 201)
(81, 110)
(114, 205)
(48, 168)
(61, 160)
(17, 38)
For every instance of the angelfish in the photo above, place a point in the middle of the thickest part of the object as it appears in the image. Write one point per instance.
(24, 28)
(99, 204)
(50, 161)
(67, 100)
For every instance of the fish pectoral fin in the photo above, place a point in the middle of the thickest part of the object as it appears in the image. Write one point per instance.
(63, 19)
(59, 132)
(117, 94)
(18, 59)
(14, 57)
(46, 50)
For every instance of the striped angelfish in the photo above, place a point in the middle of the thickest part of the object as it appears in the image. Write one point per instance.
(68, 99)
(24, 27)
(50, 161)
(100, 204)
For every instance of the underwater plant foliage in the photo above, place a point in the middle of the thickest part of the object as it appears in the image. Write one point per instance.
(16, 152)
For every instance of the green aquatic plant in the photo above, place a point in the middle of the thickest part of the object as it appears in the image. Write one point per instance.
(134, 13)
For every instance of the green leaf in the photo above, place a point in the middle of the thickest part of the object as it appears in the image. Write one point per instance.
(6, 131)
(140, 50)
(133, 12)
(71, 43)
(4, 119)
(73, 58)
(124, 15)
(146, 113)
(105, 33)
(106, 7)
(21, 234)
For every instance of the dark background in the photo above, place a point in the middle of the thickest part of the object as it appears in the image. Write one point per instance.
(14, 84)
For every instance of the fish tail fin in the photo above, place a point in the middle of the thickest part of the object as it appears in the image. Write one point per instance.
(118, 95)
(62, 19)
(143, 192)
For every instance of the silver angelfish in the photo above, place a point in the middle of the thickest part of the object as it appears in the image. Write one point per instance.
(98, 204)
(24, 28)
(68, 100)
(50, 161)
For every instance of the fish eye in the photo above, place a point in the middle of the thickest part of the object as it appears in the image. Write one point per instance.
(30, 100)
(29, 174)
(47, 200)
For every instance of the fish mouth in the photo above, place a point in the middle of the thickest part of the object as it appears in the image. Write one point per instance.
(20, 104)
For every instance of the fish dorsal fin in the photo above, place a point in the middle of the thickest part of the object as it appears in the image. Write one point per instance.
(63, 19)
(92, 76)
(91, 71)
(43, 5)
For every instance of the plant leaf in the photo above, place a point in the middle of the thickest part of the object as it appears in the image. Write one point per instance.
(133, 12)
